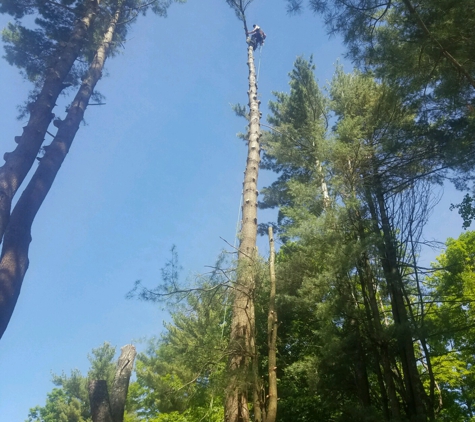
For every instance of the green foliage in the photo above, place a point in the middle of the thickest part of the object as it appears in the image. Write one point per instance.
(69, 402)
(180, 375)
(34, 45)
(466, 210)
(60, 407)
(370, 159)
(424, 51)
(239, 7)
(452, 319)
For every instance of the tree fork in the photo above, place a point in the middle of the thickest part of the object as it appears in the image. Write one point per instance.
(17, 238)
(104, 409)
(18, 163)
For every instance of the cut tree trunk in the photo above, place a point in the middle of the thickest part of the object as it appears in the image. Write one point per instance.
(104, 409)
(99, 400)
(19, 162)
(120, 387)
(14, 256)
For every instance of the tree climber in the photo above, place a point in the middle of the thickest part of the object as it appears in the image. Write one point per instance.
(257, 36)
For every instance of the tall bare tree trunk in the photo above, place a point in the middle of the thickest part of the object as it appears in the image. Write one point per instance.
(19, 162)
(242, 342)
(272, 322)
(14, 257)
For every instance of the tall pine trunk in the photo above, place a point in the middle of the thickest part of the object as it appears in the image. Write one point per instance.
(271, 413)
(19, 162)
(14, 257)
(242, 342)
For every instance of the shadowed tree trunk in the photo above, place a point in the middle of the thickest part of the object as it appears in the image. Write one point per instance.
(14, 257)
(99, 399)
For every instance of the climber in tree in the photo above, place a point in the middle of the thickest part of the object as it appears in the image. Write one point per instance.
(257, 36)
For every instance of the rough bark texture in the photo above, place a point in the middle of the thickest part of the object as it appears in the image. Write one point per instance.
(271, 413)
(99, 401)
(18, 162)
(14, 257)
(121, 382)
(242, 342)
(103, 409)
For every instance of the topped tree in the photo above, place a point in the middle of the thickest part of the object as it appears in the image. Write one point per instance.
(242, 363)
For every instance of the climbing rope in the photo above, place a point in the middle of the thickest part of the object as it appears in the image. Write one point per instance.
(238, 229)
(259, 65)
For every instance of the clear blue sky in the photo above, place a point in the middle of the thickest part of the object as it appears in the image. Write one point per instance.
(158, 165)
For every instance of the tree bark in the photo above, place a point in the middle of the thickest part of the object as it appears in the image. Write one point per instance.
(388, 255)
(120, 386)
(323, 185)
(99, 401)
(19, 162)
(103, 409)
(272, 322)
(242, 341)
(381, 342)
(14, 257)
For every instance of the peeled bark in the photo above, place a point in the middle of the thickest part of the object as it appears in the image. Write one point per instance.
(14, 258)
(19, 162)
(120, 386)
(242, 341)
(271, 413)
(323, 185)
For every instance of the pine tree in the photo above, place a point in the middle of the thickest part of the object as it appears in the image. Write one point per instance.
(50, 72)
(70, 401)
(377, 180)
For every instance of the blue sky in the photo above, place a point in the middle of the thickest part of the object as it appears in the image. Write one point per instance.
(158, 165)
